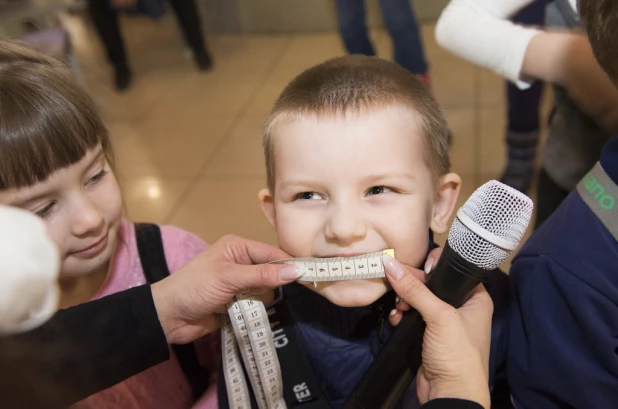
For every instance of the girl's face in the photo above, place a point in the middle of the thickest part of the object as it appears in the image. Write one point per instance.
(82, 207)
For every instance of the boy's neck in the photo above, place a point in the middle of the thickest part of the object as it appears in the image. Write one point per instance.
(81, 289)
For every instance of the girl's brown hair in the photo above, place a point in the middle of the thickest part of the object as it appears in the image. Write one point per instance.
(47, 121)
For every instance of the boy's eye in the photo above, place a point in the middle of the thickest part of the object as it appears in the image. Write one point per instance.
(44, 212)
(307, 196)
(377, 190)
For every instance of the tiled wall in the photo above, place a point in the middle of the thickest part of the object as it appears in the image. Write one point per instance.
(292, 16)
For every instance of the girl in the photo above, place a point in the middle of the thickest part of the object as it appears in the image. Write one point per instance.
(56, 161)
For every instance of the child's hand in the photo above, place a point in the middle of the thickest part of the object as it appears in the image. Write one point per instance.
(402, 306)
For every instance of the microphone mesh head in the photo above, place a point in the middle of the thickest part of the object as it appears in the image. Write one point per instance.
(498, 209)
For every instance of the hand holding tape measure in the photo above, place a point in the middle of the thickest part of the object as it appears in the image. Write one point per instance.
(247, 337)
(189, 302)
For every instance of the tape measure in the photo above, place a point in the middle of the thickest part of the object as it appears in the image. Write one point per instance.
(246, 331)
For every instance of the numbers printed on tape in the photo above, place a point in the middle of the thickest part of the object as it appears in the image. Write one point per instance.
(340, 268)
(250, 329)
(246, 331)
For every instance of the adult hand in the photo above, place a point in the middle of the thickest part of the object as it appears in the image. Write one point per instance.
(456, 341)
(188, 302)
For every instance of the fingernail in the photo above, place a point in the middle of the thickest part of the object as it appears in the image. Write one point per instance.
(393, 312)
(393, 267)
(428, 266)
(289, 273)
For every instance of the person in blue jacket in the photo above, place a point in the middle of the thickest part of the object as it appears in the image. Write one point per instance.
(563, 338)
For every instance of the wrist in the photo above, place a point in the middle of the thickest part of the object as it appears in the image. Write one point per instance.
(470, 388)
(164, 306)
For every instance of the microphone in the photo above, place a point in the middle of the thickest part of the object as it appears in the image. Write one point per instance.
(488, 227)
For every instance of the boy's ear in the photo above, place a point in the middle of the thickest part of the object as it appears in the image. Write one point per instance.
(445, 201)
(267, 204)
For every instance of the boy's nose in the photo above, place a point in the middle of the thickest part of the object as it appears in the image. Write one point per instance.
(345, 225)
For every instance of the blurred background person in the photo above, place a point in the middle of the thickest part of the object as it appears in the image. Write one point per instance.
(105, 17)
(400, 21)
(523, 124)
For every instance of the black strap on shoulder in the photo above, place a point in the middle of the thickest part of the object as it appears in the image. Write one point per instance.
(301, 387)
(154, 264)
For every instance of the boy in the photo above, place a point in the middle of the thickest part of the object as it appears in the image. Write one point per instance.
(563, 336)
(357, 161)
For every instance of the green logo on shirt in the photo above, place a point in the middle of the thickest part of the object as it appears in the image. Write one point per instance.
(606, 201)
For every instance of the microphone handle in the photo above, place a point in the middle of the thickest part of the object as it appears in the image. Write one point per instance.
(390, 374)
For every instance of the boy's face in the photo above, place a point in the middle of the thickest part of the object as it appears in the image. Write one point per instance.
(354, 185)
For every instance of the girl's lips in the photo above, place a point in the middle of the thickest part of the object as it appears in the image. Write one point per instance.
(93, 249)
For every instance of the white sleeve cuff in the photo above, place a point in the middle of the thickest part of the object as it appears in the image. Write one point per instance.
(484, 39)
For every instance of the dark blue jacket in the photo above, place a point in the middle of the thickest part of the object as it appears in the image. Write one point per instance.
(563, 341)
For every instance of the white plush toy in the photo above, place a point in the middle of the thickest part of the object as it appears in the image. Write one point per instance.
(29, 268)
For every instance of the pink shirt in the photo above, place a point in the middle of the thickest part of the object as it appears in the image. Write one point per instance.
(163, 386)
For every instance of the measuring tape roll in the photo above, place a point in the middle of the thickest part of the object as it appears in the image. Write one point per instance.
(246, 332)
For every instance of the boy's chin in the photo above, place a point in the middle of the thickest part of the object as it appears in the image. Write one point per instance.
(351, 293)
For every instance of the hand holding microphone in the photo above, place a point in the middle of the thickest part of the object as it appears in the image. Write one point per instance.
(456, 342)
(487, 228)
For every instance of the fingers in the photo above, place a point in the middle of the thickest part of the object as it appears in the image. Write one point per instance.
(411, 289)
(243, 251)
(261, 276)
(395, 317)
(432, 259)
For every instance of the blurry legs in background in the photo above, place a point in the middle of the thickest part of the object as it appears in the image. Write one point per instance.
(106, 22)
(401, 24)
(522, 133)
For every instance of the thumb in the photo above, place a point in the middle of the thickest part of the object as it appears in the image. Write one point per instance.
(411, 289)
(263, 276)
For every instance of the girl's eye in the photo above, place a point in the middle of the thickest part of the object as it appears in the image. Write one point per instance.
(98, 176)
(307, 196)
(44, 212)
(378, 190)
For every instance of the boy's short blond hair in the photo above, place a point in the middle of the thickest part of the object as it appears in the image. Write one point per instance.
(353, 85)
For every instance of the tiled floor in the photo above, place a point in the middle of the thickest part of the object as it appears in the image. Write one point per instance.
(188, 143)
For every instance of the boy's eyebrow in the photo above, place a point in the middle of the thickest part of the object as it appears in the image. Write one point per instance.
(367, 179)
(293, 183)
(391, 175)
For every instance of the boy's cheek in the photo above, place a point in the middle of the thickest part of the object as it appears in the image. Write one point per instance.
(295, 238)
